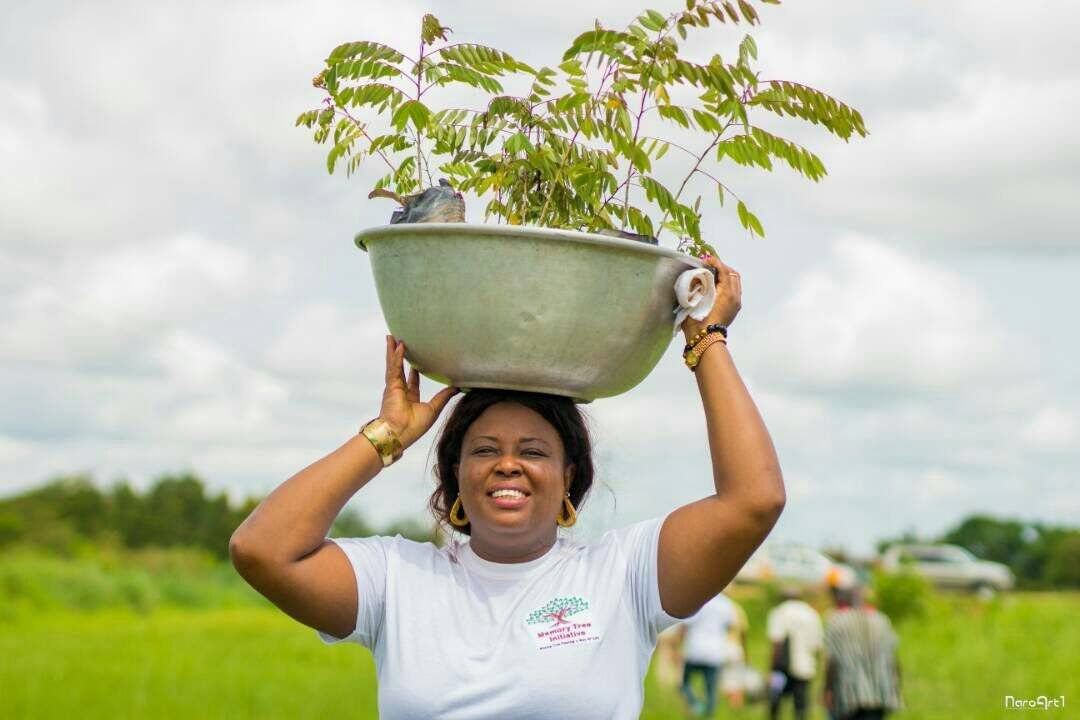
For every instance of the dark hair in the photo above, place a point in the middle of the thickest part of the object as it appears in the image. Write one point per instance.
(561, 412)
(847, 596)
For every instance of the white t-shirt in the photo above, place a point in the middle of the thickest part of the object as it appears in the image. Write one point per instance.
(567, 635)
(801, 622)
(706, 641)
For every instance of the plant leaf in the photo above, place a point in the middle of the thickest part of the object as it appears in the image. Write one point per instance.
(412, 111)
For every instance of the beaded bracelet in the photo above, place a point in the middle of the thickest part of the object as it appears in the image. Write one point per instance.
(715, 327)
(694, 357)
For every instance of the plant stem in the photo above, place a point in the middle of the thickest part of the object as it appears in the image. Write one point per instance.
(645, 78)
(360, 127)
(499, 194)
(717, 181)
(419, 94)
(697, 165)
(610, 197)
(668, 142)
(570, 145)
(427, 163)
(687, 178)
(700, 172)
(538, 134)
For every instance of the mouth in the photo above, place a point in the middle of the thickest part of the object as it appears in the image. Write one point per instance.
(507, 497)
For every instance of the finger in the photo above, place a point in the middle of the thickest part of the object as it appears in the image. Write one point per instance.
(710, 263)
(438, 402)
(719, 269)
(732, 279)
(389, 358)
(399, 362)
(414, 384)
(734, 275)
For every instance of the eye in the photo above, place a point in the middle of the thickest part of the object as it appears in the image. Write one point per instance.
(537, 453)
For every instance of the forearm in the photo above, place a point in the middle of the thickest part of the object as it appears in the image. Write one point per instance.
(745, 466)
(294, 519)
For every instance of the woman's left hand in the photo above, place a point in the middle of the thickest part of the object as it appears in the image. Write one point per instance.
(728, 298)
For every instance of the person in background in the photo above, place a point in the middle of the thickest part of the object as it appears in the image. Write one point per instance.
(862, 670)
(668, 656)
(733, 681)
(794, 629)
(705, 650)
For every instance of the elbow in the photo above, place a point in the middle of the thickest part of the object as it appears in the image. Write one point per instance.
(779, 499)
(768, 513)
(768, 505)
(242, 553)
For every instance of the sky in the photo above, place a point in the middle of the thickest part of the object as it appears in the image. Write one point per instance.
(180, 291)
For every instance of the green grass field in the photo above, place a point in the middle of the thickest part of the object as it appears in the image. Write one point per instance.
(247, 660)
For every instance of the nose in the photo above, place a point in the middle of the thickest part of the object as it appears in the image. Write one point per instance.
(507, 465)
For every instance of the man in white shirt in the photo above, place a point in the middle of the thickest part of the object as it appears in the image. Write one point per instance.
(705, 650)
(795, 631)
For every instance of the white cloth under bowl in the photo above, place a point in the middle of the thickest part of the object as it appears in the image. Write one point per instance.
(696, 292)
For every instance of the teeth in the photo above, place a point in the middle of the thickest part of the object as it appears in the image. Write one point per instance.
(508, 493)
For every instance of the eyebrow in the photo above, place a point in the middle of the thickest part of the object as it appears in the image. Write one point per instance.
(524, 439)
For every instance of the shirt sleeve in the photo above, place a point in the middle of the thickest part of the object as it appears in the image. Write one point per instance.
(369, 558)
(819, 633)
(774, 626)
(641, 544)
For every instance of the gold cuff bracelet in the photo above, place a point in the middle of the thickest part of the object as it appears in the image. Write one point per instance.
(385, 440)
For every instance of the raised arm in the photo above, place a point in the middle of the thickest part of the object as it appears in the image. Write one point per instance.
(281, 548)
(703, 544)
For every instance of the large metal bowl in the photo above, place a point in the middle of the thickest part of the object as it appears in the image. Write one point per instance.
(551, 311)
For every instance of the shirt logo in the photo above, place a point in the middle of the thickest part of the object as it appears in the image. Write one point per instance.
(562, 621)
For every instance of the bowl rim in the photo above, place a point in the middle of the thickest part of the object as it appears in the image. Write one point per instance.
(522, 232)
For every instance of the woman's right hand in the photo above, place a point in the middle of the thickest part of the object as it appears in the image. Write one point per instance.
(401, 406)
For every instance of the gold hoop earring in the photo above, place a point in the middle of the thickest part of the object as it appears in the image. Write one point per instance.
(457, 514)
(571, 514)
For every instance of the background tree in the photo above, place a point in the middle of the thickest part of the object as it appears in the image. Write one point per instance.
(175, 511)
(1063, 567)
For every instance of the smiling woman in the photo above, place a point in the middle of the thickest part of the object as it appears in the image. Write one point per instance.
(509, 619)
(508, 463)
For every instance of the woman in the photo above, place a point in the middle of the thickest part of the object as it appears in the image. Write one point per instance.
(515, 622)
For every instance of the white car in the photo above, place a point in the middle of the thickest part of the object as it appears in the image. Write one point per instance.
(950, 566)
(797, 564)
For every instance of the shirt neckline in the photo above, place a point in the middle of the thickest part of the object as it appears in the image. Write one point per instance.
(477, 564)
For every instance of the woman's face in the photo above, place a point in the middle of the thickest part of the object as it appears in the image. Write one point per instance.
(512, 478)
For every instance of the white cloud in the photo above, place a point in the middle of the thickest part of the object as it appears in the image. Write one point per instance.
(204, 129)
(13, 450)
(970, 144)
(213, 394)
(19, 105)
(93, 309)
(1052, 429)
(875, 317)
(319, 341)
